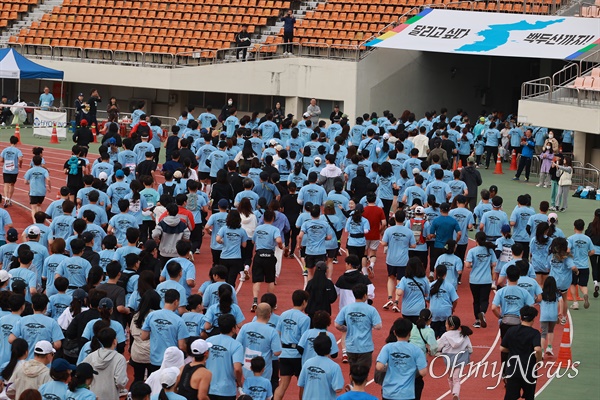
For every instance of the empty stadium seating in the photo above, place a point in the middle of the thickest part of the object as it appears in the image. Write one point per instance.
(591, 11)
(157, 26)
(10, 10)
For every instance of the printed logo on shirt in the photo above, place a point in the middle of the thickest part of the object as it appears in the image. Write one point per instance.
(162, 324)
(6, 329)
(525, 285)
(290, 324)
(315, 373)
(493, 220)
(459, 218)
(123, 224)
(580, 244)
(512, 299)
(74, 268)
(33, 328)
(400, 359)
(255, 391)
(218, 351)
(50, 396)
(482, 257)
(441, 292)
(356, 316)
(254, 338)
(398, 235)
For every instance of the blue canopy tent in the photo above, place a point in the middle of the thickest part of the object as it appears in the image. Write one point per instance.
(14, 66)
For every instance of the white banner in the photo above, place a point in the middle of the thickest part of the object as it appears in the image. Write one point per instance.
(494, 34)
(43, 122)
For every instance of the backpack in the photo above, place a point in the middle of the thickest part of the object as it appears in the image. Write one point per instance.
(125, 277)
(170, 190)
(192, 201)
(416, 226)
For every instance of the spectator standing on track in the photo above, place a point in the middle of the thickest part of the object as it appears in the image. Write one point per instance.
(46, 99)
(12, 159)
(288, 32)
(93, 107)
(472, 178)
(527, 151)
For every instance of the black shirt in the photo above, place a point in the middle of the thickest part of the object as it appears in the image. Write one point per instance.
(145, 168)
(236, 182)
(521, 342)
(291, 208)
(187, 153)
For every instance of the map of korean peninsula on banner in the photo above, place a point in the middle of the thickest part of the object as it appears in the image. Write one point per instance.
(494, 34)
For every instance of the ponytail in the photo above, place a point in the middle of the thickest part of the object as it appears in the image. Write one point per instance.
(225, 298)
(441, 271)
(465, 331)
(424, 317)
(450, 246)
(481, 239)
(75, 382)
(298, 168)
(163, 394)
(454, 323)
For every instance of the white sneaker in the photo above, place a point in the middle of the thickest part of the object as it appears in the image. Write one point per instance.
(538, 185)
(387, 305)
(575, 305)
(549, 351)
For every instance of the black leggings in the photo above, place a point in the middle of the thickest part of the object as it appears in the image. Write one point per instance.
(481, 297)
(139, 370)
(387, 206)
(595, 261)
(234, 267)
(247, 253)
(491, 154)
(293, 238)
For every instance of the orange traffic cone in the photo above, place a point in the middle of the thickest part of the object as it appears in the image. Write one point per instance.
(54, 137)
(498, 169)
(564, 354)
(94, 133)
(18, 132)
(513, 161)
(570, 296)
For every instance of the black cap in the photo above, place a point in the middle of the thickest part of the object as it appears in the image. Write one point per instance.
(85, 371)
(87, 237)
(445, 207)
(64, 191)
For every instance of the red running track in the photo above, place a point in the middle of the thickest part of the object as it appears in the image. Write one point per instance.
(485, 384)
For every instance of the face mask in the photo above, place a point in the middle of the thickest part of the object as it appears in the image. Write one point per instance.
(550, 136)
(230, 102)
(547, 147)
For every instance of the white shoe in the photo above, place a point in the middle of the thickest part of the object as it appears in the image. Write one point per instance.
(538, 185)
(387, 305)
(549, 351)
(575, 305)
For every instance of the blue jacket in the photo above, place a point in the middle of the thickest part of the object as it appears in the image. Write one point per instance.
(528, 149)
(288, 23)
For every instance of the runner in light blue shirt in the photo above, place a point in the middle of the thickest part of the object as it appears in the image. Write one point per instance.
(225, 357)
(321, 377)
(38, 326)
(165, 329)
(75, 268)
(38, 180)
(260, 339)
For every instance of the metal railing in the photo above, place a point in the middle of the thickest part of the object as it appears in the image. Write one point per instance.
(537, 88)
(583, 176)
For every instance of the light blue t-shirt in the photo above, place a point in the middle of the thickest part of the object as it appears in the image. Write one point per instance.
(549, 310)
(259, 339)
(360, 318)
(316, 232)
(457, 187)
(210, 295)
(194, 322)
(291, 326)
(76, 270)
(492, 222)
(440, 190)
(530, 285)
(166, 329)
(58, 303)
(216, 221)
(398, 239)
(403, 360)
(28, 277)
(561, 270)
(464, 217)
(306, 342)
(534, 221)
(162, 288)
(385, 188)
(225, 352)
(481, 259)
(81, 394)
(188, 272)
(214, 312)
(320, 377)
(53, 390)
(232, 241)
(356, 396)
(36, 327)
(36, 177)
(357, 228)
(257, 387)
(453, 265)
(62, 226)
(7, 323)
(580, 246)
(441, 303)
(121, 252)
(416, 290)
(116, 192)
(312, 193)
(504, 245)
(539, 255)
(217, 159)
(11, 156)
(492, 137)
(520, 216)
(49, 270)
(250, 195)
(511, 299)
(121, 222)
(265, 237)
(88, 331)
(101, 217)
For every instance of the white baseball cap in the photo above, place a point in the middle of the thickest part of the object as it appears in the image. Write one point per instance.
(416, 171)
(386, 136)
(168, 376)
(306, 115)
(200, 346)
(552, 216)
(4, 276)
(44, 347)
(419, 210)
(102, 176)
(33, 231)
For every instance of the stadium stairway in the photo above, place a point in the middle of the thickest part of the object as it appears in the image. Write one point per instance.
(35, 14)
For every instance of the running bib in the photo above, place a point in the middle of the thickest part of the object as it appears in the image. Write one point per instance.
(506, 254)
(134, 206)
(249, 355)
(9, 165)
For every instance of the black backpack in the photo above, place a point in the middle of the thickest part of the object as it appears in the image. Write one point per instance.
(170, 190)
(125, 277)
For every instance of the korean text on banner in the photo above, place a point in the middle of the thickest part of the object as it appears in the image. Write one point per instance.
(43, 122)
